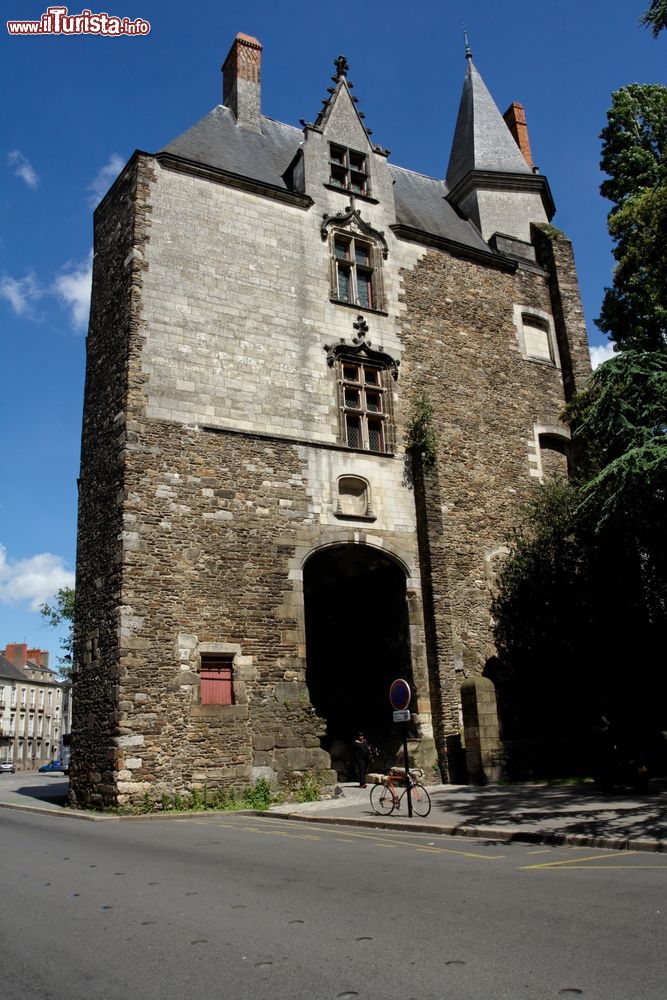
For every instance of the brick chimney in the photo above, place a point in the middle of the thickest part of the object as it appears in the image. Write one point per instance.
(241, 88)
(515, 119)
(40, 657)
(16, 653)
(19, 654)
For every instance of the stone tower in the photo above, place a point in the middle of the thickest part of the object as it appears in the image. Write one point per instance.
(258, 555)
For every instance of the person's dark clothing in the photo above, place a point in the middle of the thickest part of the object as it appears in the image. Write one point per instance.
(362, 754)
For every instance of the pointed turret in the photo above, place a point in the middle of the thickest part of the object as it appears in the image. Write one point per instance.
(488, 177)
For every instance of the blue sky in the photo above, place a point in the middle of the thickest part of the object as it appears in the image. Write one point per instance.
(75, 108)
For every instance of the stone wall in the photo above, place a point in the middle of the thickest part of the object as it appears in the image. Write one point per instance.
(117, 269)
(461, 349)
(212, 450)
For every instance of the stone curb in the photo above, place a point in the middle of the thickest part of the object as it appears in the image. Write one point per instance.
(97, 817)
(505, 835)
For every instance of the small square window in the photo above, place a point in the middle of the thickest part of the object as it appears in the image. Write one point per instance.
(374, 402)
(348, 169)
(216, 680)
(342, 250)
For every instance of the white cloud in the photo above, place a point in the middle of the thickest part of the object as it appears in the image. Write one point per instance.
(23, 168)
(601, 353)
(20, 293)
(73, 289)
(34, 580)
(103, 180)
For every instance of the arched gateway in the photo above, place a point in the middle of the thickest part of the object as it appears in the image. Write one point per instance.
(357, 643)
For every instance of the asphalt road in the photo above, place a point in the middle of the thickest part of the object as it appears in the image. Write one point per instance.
(240, 907)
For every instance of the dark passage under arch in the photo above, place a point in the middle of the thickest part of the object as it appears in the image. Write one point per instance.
(357, 643)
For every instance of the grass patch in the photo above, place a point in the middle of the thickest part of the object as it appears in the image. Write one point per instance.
(308, 790)
(258, 796)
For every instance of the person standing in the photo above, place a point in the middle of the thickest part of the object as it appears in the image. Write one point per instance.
(362, 754)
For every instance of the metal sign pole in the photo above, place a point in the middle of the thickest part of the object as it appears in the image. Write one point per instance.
(407, 768)
(399, 696)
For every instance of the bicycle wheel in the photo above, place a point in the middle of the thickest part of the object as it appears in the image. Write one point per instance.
(421, 800)
(382, 800)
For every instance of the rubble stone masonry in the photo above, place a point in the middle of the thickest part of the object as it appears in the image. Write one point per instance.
(212, 452)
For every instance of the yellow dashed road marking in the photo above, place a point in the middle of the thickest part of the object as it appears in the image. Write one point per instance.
(577, 860)
(378, 839)
(578, 868)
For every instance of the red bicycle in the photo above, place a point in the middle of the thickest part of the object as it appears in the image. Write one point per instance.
(385, 798)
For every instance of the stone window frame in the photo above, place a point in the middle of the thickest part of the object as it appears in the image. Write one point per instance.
(189, 651)
(361, 354)
(368, 514)
(350, 228)
(541, 319)
(541, 432)
(354, 271)
(349, 169)
(216, 663)
(364, 416)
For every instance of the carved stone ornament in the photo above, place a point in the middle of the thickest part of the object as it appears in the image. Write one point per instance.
(342, 67)
(351, 219)
(361, 348)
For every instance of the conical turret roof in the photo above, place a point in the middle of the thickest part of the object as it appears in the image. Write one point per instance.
(482, 140)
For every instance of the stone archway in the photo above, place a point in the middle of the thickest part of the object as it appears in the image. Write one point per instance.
(357, 642)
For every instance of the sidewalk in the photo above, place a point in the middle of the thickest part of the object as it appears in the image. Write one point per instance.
(576, 815)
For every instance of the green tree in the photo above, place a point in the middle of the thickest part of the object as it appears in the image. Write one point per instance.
(655, 17)
(540, 586)
(634, 156)
(621, 423)
(581, 613)
(60, 615)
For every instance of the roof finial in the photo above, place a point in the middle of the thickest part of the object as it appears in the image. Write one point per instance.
(468, 49)
(342, 67)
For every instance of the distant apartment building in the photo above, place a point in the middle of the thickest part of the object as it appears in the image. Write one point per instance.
(35, 708)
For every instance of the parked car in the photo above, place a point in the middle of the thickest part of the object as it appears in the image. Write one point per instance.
(7, 765)
(52, 766)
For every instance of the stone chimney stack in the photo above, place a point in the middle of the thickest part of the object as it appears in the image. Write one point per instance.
(515, 119)
(241, 89)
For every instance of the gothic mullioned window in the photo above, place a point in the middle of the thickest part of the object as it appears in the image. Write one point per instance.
(348, 169)
(364, 377)
(363, 405)
(356, 253)
(354, 271)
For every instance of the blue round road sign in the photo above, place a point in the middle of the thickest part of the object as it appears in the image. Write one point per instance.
(400, 694)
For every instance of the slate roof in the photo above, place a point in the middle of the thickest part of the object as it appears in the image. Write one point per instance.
(7, 669)
(482, 140)
(217, 141)
(421, 204)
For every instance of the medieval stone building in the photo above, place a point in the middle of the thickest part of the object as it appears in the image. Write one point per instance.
(274, 308)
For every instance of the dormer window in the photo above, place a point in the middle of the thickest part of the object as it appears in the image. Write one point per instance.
(348, 169)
